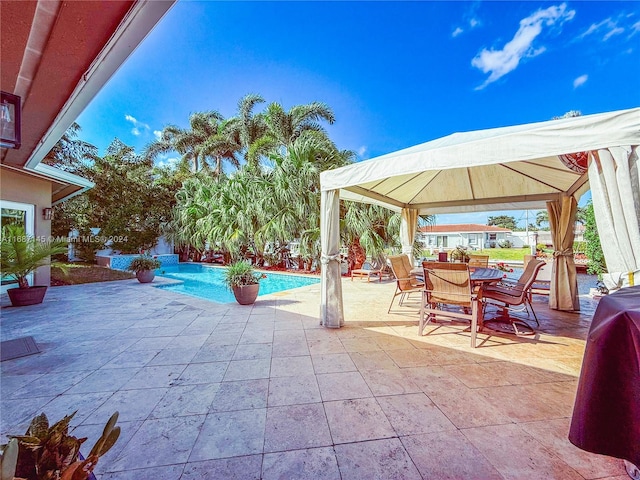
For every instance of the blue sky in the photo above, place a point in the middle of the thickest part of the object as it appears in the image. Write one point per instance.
(395, 73)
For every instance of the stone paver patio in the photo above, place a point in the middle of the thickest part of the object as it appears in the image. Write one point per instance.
(211, 391)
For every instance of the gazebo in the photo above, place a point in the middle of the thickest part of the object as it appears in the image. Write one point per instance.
(540, 165)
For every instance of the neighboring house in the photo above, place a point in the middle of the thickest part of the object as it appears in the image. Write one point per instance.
(520, 239)
(56, 56)
(472, 236)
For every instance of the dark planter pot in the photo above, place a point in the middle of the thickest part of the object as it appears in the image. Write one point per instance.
(145, 276)
(21, 297)
(246, 294)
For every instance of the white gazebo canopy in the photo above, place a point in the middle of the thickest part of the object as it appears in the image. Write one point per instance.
(539, 165)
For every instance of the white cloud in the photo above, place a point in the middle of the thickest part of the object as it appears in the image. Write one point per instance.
(500, 62)
(612, 32)
(361, 151)
(469, 19)
(166, 161)
(157, 134)
(138, 127)
(610, 27)
(581, 80)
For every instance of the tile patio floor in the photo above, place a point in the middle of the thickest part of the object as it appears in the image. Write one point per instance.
(210, 391)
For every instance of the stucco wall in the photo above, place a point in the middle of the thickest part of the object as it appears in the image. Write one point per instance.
(16, 187)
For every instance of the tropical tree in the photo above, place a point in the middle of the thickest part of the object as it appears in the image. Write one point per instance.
(206, 140)
(247, 127)
(284, 128)
(504, 221)
(597, 264)
(542, 217)
(70, 153)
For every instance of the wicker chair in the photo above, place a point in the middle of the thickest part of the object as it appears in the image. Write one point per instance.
(449, 284)
(507, 295)
(406, 283)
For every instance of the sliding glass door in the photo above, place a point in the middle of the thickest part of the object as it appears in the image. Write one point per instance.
(13, 213)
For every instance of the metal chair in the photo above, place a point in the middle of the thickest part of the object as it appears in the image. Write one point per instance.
(449, 284)
(406, 283)
(507, 295)
(542, 284)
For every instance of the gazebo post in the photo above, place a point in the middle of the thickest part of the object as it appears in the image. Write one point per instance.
(564, 280)
(408, 226)
(331, 309)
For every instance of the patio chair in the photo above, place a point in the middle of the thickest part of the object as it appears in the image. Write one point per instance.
(542, 284)
(478, 261)
(508, 296)
(449, 285)
(406, 283)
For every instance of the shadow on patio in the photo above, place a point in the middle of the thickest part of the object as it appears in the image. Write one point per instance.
(210, 391)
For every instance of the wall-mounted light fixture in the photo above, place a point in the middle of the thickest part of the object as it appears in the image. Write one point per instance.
(9, 120)
(47, 213)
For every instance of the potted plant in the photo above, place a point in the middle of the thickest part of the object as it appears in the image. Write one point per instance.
(48, 452)
(144, 267)
(242, 280)
(459, 254)
(20, 256)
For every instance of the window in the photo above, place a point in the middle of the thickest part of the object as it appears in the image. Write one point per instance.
(473, 238)
(493, 236)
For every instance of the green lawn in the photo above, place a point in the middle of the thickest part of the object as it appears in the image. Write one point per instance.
(497, 254)
(504, 254)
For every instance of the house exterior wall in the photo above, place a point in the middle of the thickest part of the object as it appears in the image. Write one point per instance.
(16, 187)
(471, 240)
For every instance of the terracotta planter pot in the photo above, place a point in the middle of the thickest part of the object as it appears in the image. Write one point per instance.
(21, 297)
(145, 276)
(246, 294)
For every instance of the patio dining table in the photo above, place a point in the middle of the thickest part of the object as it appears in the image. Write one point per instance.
(481, 275)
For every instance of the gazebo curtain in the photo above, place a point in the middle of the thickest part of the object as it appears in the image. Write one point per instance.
(564, 280)
(331, 312)
(615, 189)
(408, 226)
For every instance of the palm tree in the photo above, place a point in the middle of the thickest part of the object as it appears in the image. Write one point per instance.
(206, 138)
(295, 190)
(542, 216)
(284, 128)
(246, 127)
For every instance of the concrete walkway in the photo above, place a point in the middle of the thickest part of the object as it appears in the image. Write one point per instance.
(211, 391)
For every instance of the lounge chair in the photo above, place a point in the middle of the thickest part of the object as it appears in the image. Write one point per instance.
(367, 270)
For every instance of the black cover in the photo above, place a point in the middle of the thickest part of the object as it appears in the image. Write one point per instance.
(606, 415)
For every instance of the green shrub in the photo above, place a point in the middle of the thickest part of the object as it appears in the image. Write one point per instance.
(142, 263)
(579, 247)
(241, 273)
(593, 247)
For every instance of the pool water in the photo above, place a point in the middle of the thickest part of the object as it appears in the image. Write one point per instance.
(208, 282)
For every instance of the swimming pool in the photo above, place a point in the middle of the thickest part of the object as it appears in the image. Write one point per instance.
(208, 282)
